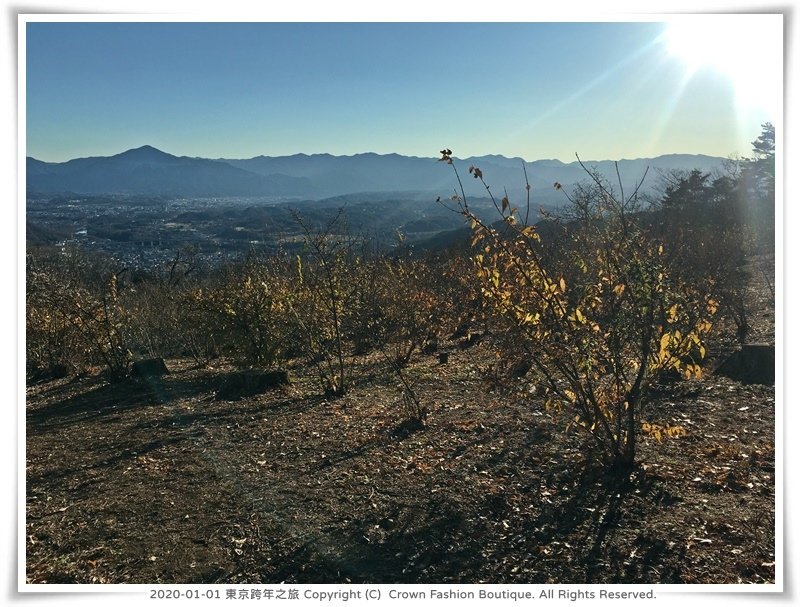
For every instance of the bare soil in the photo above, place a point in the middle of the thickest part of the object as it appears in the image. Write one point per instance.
(157, 481)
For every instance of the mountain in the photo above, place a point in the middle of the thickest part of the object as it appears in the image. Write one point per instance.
(340, 175)
(146, 170)
(369, 172)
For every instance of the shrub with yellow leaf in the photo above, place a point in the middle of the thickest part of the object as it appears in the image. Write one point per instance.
(598, 310)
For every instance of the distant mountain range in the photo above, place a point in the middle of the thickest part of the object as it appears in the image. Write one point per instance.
(146, 170)
(149, 171)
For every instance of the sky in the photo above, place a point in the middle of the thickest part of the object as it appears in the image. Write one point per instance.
(536, 90)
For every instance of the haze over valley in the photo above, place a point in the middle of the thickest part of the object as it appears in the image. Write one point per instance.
(143, 205)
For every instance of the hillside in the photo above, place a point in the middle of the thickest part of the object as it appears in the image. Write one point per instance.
(160, 482)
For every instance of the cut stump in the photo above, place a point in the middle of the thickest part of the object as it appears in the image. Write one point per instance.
(249, 383)
(150, 367)
(753, 364)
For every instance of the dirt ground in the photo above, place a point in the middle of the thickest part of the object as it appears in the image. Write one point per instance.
(156, 481)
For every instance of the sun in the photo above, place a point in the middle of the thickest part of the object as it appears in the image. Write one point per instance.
(747, 49)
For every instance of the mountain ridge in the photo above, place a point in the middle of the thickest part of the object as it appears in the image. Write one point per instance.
(149, 170)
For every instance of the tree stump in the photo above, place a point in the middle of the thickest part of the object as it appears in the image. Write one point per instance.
(753, 364)
(430, 347)
(521, 368)
(250, 383)
(470, 340)
(150, 367)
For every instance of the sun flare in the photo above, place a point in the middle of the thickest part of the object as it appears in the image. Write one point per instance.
(745, 49)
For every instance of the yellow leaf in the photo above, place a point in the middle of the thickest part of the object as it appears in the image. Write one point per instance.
(704, 326)
(672, 315)
(563, 284)
(532, 318)
(579, 315)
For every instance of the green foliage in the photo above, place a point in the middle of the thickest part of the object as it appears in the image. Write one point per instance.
(764, 145)
(713, 227)
(757, 182)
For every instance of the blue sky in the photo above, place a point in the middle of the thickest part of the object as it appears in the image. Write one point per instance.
(536, 90)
